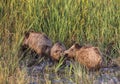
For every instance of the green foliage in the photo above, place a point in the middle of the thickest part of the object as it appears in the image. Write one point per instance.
(95, 22)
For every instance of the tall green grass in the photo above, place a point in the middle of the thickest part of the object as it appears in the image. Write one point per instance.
(85, 21)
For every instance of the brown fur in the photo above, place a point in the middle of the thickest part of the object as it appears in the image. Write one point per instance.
(87, 55)
(57, 50)
(39, 42)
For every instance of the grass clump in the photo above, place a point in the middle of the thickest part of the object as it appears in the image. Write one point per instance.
(84, 21)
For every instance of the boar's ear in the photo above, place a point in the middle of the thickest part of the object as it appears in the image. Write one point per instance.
(31, 30)
(97, 50)
(26, 34)
(77, 46)
(58, 42)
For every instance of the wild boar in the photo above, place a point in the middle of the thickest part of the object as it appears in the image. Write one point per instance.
(57, 50)
(38, 42)
(88, 56)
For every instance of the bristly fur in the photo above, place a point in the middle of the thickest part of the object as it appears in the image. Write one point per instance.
(57, 50)
(39, 42)
(88, 56)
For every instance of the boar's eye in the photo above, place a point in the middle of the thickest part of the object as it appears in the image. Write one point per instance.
(56, 51)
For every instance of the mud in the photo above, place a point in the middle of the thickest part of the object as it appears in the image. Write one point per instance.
(44, 73)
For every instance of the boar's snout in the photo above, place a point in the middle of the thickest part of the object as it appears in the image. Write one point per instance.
(65, 53)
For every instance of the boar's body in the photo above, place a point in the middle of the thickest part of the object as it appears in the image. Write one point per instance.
(90, 57)
(87, 55)
(57, 50)
(39, 42)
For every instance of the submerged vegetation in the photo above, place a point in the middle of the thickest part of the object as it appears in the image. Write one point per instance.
(95, 22)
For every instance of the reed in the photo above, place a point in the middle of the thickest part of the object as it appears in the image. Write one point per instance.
(85, 21)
